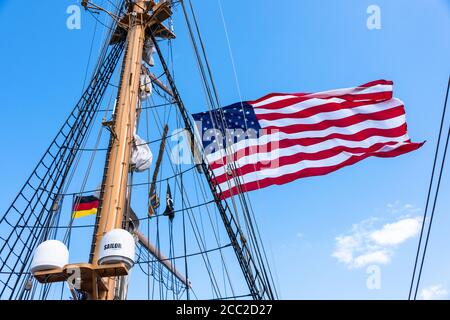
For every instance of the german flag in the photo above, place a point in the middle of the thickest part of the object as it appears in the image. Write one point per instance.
(84, 206)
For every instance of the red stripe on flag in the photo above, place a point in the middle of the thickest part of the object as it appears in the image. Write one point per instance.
(309, 172)
(271, 146)
(86, 206)
(315, 110)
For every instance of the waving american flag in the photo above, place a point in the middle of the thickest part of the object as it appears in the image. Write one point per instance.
(283, 137)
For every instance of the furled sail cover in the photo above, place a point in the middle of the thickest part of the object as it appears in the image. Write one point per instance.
(141, 156)
(149, 50)
(145, 87)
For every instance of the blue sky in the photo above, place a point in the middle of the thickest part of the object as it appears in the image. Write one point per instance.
(288, 46)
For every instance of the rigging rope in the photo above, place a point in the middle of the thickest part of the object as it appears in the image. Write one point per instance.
(243, 197)
(39, 206)
(47, 225)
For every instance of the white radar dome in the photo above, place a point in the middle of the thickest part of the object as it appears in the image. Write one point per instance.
(117, 246)
(50, 254)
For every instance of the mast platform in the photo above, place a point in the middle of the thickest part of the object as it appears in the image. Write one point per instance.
(161, 12)
(90, 276)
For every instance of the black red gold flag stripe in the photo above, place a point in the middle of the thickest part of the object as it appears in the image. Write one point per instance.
(85, 206)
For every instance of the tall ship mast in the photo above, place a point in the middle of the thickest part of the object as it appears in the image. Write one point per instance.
(159, 227)
(143, 193)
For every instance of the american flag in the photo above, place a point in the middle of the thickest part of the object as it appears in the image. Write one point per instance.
(283, 137)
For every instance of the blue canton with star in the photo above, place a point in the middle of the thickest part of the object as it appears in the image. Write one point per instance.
(238, 117)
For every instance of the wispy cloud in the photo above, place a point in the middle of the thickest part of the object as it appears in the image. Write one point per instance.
(435, 292)
(369, 243)
(397, 207)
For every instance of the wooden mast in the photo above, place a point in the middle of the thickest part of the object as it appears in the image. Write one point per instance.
(113, 200)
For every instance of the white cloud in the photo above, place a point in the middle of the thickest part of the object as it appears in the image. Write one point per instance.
(366, 244)
(345, 245)
(397, 232)
(435, 292)
(377, 257)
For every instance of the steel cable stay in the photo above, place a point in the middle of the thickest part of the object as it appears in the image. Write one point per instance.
(421, 252)
(244, 198)
(251, 222)
(208, 91)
